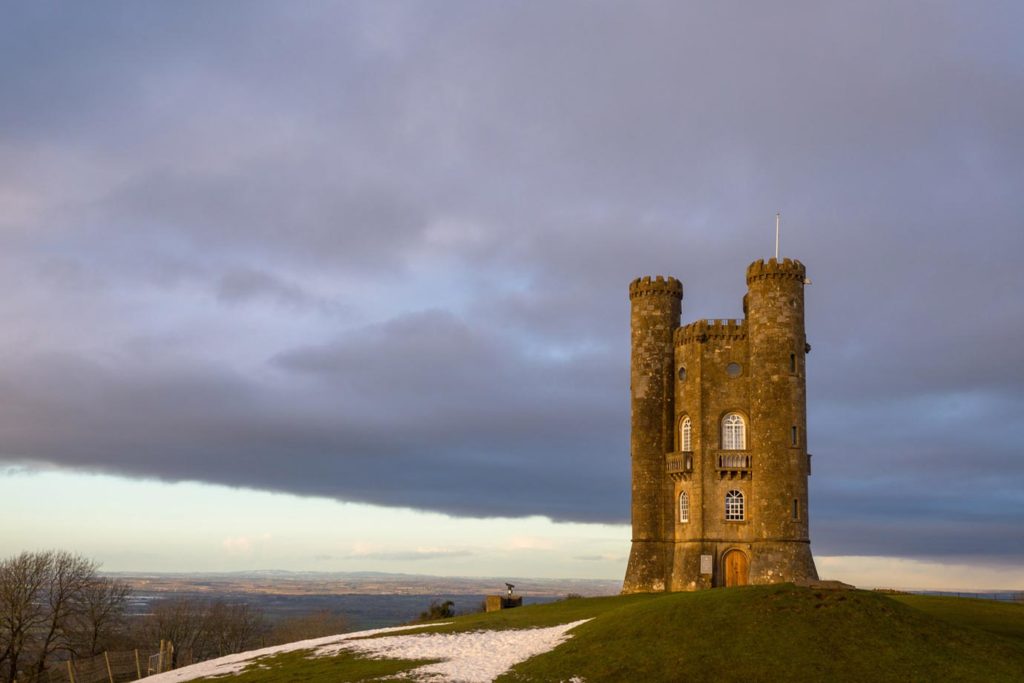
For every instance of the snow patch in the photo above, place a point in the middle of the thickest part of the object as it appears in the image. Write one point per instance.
(467, 657)
(232, 664)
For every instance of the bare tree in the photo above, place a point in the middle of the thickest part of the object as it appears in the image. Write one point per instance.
(103, 605)
(66, 577)
(47, 601)
(22, 614)
(179, 620)
(233, 627)
(207, 629)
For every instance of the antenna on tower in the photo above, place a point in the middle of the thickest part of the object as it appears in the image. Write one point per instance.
(778, 216)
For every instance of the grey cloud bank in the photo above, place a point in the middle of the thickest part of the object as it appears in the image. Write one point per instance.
(380, 252)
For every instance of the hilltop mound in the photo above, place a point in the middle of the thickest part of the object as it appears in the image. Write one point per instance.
(763, 633)
(785, 633)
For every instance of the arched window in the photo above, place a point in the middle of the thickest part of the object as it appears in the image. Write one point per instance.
(685, 430)
(734, 433)
(684, 507)
(734, 506)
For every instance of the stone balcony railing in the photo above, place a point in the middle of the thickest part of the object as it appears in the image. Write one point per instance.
(734, 464)
(679, 465)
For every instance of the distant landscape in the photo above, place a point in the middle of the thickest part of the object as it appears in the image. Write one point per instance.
(375, 599)
(366, 599)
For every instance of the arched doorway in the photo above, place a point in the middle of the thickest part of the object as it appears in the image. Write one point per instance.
(737, 571)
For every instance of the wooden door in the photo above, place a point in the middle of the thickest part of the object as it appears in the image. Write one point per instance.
(736, 569)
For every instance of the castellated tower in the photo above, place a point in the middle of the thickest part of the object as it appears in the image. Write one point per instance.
(654, 317)
(718, 442)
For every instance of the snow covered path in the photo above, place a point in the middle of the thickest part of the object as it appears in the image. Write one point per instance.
(468, 657)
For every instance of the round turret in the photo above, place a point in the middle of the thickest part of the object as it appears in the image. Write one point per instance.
(778, 417)
(656, 286)
(655, 305)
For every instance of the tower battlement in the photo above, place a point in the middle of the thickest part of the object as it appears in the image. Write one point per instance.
(772, 268)
(703, 330)
(644, 286)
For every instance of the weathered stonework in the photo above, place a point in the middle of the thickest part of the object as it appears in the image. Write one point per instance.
(704, 371)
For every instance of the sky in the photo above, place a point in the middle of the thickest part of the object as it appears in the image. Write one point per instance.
(343, 285)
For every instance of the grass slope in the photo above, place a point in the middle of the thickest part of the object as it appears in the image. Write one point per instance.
(1002, 618)
(785, 633)
(762, 633)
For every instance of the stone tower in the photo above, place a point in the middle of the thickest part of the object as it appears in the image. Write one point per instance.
(718, 442)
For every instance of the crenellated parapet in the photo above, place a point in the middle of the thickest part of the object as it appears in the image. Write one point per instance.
(762, 269)
(660, 285)
(705, 330)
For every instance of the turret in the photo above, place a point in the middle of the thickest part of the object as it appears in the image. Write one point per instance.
(655, 307)
(778, 419)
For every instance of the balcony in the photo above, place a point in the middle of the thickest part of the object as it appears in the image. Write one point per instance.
(679, 465)
(733, 465)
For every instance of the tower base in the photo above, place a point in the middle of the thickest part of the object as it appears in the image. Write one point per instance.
(646, 571)
(763, 562)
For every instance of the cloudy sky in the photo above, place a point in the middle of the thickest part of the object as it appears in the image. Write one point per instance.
(360, 269)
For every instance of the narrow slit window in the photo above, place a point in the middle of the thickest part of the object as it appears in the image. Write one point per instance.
(794, 435)
(796, 509)
(792, 362)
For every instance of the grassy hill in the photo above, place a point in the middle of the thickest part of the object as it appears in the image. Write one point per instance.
(763, 633)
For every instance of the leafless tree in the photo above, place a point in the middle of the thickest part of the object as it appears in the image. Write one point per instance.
(21, 610)
(233, 628)
(207, 629)
(45, 597)
(66, 576)
(179, 620)
(103, 605)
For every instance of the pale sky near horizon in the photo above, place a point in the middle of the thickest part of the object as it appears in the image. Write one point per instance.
(152, 526)
(288, 281)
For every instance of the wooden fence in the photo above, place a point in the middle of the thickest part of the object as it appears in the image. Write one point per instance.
(112, 667)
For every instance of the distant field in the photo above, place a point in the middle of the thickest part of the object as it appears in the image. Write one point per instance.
(364, 611)
(764, 633)
(368, 599)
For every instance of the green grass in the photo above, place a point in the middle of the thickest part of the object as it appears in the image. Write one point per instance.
(1001, 618)
(782, 633)
(763, 633)
(533, 616)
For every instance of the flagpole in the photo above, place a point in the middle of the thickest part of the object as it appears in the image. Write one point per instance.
(778, 214)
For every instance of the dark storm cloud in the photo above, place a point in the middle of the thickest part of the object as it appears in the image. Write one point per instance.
(379, 252)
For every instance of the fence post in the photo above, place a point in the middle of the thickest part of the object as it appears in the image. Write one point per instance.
(160, 658)
(170, 655)
(138, 665)
(110, 673)
(71, 672)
